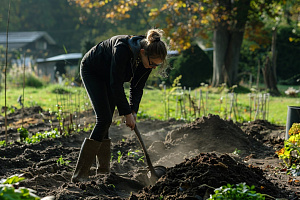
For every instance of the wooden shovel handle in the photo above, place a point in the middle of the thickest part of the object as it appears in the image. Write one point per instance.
(138, 134)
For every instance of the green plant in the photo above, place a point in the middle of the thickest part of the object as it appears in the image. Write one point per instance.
(60, 90)
(290, 153)
(141, 159)
(9, 190)
(237, 152)
(3, 143)
(120, 154)
(135, 155)
(39, 136)
(61, 161)
(33, 81)
(23, 133)
(239, 191)
(111, 157)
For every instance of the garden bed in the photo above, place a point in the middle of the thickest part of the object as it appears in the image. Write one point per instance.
(201, 155)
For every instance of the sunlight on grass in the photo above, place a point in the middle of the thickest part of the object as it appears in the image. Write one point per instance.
(154, 104)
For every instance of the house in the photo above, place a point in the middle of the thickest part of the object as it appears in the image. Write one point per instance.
(36, 44)
(54, 68)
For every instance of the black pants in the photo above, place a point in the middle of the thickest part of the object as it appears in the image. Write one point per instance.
(100, 96)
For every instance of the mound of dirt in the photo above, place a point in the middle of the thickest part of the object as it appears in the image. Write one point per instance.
(206, 134)
(195, 178)
(210, 134)
(264, 131)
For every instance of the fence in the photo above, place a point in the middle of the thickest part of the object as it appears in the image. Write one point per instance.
(182, 103)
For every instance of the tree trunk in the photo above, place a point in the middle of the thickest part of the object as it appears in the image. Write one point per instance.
(227, 44)
(269, 78)
(232, 58)
(269, 71)
(220, 44)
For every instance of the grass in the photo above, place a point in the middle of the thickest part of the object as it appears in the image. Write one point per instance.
(153, 102)
(44, 97)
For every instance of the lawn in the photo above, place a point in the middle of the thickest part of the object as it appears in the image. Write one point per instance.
(154, 103)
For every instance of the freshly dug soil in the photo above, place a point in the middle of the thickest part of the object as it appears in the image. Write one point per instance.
(201, 155)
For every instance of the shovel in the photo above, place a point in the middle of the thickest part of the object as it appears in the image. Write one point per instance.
(154, 172)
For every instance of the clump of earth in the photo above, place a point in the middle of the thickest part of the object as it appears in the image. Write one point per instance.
(201, 155)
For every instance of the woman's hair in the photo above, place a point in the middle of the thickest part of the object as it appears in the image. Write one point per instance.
(154, 46)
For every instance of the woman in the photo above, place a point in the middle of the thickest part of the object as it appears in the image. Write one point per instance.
(104, 69)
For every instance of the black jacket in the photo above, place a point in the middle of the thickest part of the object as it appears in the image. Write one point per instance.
(116, 61)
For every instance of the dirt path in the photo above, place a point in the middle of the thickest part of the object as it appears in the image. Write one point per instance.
(197, 155)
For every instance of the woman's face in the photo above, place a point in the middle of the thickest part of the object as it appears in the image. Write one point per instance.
(149, 62)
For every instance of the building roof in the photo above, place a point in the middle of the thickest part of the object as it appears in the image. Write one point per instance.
(25, 37)
(69, 56)
(19, 39)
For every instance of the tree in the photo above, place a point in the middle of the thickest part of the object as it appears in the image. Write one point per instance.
(187, 21)
(227, 20)
(194, 65)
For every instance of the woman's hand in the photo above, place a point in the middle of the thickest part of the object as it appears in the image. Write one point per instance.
(130, 121)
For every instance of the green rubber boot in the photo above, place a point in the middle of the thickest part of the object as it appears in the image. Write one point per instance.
(85, 160)
(103, 157)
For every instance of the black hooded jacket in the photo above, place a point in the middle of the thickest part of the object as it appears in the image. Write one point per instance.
(116, 61)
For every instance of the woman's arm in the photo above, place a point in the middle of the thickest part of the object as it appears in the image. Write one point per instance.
(121, 56)
(136, 87)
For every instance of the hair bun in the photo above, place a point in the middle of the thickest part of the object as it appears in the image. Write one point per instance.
(154, 35)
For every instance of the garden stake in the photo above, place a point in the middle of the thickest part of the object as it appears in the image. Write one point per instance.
(200, 100)
(5, 75)
(23, 90)
(206, 103)
(257, 109)
(176, 111)
(236, 108)
(250, 104)
(226, 97)
(190, 101)
(183, 101)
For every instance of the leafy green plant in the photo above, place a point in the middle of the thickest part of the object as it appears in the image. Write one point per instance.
(234, 192)
(236, 152)
(3, 143)
(61, 161)
(33, 81)
(120, 154)
(111, 157)
(59, 90)
(9, 189)
(135, 155)
(290, 153)
(39, 136)
(141, 159)
(23, 133)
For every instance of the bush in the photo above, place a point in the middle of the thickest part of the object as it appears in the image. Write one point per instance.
(15, 78)
(194, 66)
(33, 81)
(288, 62)
(58, 89)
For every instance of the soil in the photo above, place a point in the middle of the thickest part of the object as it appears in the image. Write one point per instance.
(204, 154)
